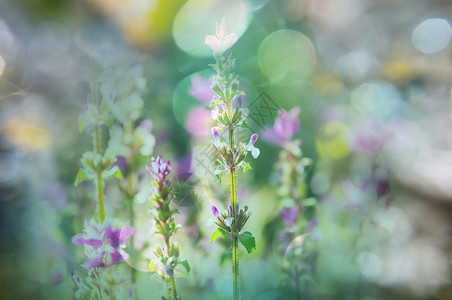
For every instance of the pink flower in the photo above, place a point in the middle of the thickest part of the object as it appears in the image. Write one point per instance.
(200, 88)
(221, 42)
(199, 121)
(286, 125)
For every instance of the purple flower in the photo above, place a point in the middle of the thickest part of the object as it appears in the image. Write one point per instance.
(231, 213)
(103, 244)
(159, 169)
(214, 211)
(286, 125)
(253, 138)
(289, 214)
(199, 121)
(215, 133)
(200, 88)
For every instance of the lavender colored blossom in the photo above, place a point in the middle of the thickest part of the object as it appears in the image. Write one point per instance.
(285, 127)
(103, 244)
(287, 124)
(289, 214)
(215, 133)
(199, 121)
(200, 88)
(159, 169)
(214, 211)
(253, 138)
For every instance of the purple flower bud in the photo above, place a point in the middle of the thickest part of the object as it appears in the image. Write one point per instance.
(230, 210)
(382, 188)
(214, 211)
(237, 208)
(159, 169)
(253, 138)
(245, 208)
(215, 133)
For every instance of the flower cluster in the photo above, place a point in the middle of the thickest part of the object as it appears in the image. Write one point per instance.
(285, 127)
(225, 220)
(159, 169)
(103, 244)
(167, 255)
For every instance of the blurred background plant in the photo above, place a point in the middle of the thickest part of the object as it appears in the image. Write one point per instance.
(371, 80)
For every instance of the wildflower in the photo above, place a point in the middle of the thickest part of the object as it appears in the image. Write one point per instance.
(284, 128)
(198, 121)
(200, 88)
(103, 244)
(221, 42)
(289, 214)
(159, 169)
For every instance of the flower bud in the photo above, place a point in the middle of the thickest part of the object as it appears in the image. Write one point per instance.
(215, 133)
(253, 139)
(214, 211)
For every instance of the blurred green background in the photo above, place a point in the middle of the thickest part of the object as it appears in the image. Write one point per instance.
(372, 79)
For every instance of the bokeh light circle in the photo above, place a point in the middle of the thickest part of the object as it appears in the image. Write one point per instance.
(197, 18)
(432, 35)
(287, 57)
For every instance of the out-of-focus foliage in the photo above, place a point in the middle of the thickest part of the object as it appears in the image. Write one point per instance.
(371, 79)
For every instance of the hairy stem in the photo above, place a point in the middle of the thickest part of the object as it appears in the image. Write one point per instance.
(173, 282)
(235, 245)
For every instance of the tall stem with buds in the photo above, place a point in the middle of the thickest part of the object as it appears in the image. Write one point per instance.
(168, 255)
(228, 111)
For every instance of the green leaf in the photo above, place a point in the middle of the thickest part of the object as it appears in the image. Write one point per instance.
(217, 90)
(243, 124)
(81, 176)
(237, 115)
(218, 233)
(185, 264)
(310, 202)
(213, 102)
(114, 172)
(245, 166)
(219, 171)
(248, 241)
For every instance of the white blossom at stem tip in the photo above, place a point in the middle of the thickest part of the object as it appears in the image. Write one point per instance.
(221, 42)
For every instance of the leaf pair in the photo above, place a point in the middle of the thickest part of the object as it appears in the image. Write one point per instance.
(246, 239)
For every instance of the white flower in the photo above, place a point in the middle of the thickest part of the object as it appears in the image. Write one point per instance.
(221, 42)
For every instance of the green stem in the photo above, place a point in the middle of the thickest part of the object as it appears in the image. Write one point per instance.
(173, 282)
(100, 197)
(235, 244)
(100, 188)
